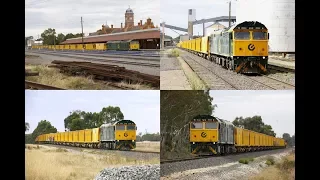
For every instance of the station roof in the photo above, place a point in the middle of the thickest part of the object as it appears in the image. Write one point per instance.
(153, 33)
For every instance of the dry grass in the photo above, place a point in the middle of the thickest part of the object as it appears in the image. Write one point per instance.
(58, 163)
(52, 77)
(148, 146)
(284, 170)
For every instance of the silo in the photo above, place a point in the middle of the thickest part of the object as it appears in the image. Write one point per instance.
(191, 18)
(277, 15)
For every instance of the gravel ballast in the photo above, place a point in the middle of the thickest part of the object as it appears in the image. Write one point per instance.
(142, 172)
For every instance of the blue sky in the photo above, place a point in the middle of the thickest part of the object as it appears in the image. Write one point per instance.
(277, 108)
(175, 13)
(143, 106)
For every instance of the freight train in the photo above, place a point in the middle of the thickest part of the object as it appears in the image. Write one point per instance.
(118, 136)
(211, 135)
(242, 48)
(110, 45)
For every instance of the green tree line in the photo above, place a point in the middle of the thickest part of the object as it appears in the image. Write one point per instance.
(50, 37)
(254, 123)
(148, 136)
(77, 120)
(289, 139)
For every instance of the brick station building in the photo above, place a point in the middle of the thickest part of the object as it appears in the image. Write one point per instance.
(147, 34)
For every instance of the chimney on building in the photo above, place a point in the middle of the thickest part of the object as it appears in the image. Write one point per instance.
(141, 22)
(121, 25)
(138, 24)
(111, 26)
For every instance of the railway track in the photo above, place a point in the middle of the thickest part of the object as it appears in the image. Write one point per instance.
(38, 86)
(76, 147)
(272, 83)
(281, 69)
(215, 81)
(142, 53)
(224, 79)
(103, 60)
(143, 57)
(140, 56)
(165, 161)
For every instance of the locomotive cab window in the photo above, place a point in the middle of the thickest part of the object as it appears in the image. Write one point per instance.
(259, 35)
(211, 125)
(242, 35)
(196, 125)
(131, 127)
(120, 127)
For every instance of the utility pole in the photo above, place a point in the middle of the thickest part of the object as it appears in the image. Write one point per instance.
(82, 33)
(162, 35)
(54, 42)
(229, 13)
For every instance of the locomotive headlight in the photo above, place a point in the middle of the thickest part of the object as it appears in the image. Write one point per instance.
(263, 57)
(193, 143)
(118, 140)
(132, 140)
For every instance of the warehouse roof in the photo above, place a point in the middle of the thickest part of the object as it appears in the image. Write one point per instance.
(139, 34)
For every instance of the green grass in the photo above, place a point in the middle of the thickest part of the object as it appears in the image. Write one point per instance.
(270, 161)
(174, 53)
(246, 160)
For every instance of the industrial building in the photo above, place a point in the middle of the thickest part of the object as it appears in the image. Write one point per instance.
(213, 27)
(277, 15)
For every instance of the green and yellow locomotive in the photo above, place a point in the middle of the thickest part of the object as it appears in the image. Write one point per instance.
(211, 135)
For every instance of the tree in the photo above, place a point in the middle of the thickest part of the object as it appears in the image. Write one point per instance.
(49, 37)
(111, 114)
(86, 120)
(27, 126)
(254, 123)
(293, 140)
(44, 127)
(290, 140)
(176, 110)
(60, 38)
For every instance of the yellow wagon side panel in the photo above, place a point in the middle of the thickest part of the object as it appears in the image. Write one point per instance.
(238, 136)
(70, 136)
(72, 46)
(95, 134)
(81, 136)
(198, 44)
(245, 137)
(251, 137)
(89, 46)
(58, 137)
(55, 136)
(66, 137)
(88, 135)
(75, 136)
(204, 45)
(63, 137)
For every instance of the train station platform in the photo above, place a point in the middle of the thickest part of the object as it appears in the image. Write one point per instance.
(282, 62)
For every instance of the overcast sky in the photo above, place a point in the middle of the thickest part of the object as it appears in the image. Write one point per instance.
(65, 15)
(142, 107)
(175, 12)
(277, 108)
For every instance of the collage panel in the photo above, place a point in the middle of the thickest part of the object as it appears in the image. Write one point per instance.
(228, 45)
(227, 135)
(93, 45)
(100, 135)
(160, 89)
